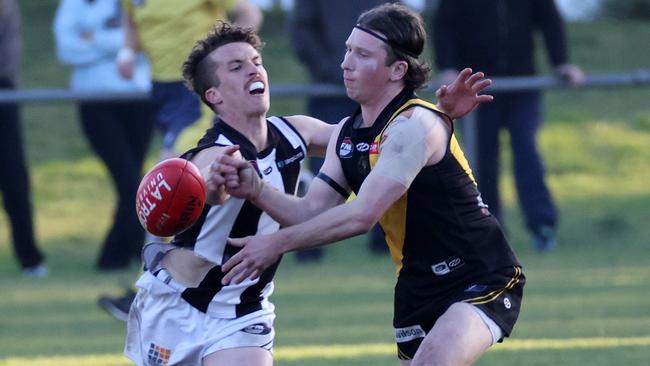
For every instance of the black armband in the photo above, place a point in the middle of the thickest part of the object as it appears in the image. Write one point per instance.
(332, 183)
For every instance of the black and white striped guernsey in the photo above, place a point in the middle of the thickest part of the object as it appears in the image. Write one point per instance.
(279, 165)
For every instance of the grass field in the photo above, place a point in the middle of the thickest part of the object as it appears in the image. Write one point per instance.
(585, 303)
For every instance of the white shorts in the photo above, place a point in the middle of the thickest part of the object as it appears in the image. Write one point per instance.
(163, 329)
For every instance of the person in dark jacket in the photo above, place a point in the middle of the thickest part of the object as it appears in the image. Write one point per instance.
(318, 39)
(14, 180)
(497, 37)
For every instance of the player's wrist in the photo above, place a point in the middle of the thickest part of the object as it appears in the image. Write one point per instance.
(257, 192)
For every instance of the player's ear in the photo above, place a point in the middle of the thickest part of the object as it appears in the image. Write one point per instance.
(213, 96)
(398, 70)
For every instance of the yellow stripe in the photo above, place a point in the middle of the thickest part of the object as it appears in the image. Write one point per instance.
(402, 355)
(393, 222)
(458, 154)
(351, 351)
(496, 293)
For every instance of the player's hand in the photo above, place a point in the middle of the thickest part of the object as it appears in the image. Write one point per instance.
(224, 164)
(258, 253)
(462, 95)
(245, 183)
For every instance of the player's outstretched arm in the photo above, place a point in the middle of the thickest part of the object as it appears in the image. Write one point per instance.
(462, 95)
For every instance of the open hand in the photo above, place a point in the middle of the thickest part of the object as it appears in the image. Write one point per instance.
(258, 253)
(462, 95)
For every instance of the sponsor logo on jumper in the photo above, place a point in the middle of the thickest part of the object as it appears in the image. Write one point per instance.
(507, 303)
(363, 147)
(268, 170)
(345, 150)
(442, 268)
(409, 333)
(296, 157)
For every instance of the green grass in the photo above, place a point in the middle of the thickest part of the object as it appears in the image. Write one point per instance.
(584, 304)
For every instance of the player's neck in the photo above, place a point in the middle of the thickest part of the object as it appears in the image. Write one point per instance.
(254, 128)
(372, 108)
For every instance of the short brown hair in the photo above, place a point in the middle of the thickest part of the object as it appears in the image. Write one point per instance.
(404, 28)
(198, 69)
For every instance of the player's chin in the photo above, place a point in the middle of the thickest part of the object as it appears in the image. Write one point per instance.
(260, 108)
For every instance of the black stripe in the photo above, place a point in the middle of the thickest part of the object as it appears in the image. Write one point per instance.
(332, 183)
(251, 299)
(295, 131)
(201, 296)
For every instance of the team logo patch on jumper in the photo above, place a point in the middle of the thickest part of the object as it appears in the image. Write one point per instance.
(158, 356)
(345, 150)
(409, 333)
(442, 268)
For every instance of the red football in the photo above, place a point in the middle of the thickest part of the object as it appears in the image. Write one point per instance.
(171, 197)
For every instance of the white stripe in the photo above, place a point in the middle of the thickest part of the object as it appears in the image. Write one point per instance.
(288, 132)
(223, 140)
(271, 175)
(219, 221)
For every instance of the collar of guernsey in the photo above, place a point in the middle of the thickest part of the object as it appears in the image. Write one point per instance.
(374, 152)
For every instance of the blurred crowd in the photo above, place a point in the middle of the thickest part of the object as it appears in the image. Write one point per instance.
(139, 46)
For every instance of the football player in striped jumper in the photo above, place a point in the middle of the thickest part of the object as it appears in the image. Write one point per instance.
(459, 284)
(182, 315)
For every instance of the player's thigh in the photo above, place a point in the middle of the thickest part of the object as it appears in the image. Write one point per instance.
(459, 337)
(240, 356)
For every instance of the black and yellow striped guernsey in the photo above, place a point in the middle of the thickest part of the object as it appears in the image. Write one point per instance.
(439, 232)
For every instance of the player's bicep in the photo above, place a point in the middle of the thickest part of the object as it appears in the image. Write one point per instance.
(402, 153)
(410, 144)
(315, 132)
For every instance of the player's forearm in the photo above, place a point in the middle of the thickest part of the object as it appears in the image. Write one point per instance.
(343, 221)
(283, 208)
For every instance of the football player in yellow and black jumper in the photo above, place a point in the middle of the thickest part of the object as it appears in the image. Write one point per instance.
(459, 284)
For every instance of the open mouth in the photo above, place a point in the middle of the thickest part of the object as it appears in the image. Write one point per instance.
(256, 88)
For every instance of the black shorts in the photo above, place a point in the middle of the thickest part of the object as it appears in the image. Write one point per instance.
(497, 294)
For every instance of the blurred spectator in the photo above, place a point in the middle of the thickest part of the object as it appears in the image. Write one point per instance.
(318, 30)
(166, 30)
(14, 181)
(89, 34)
(496, 37)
